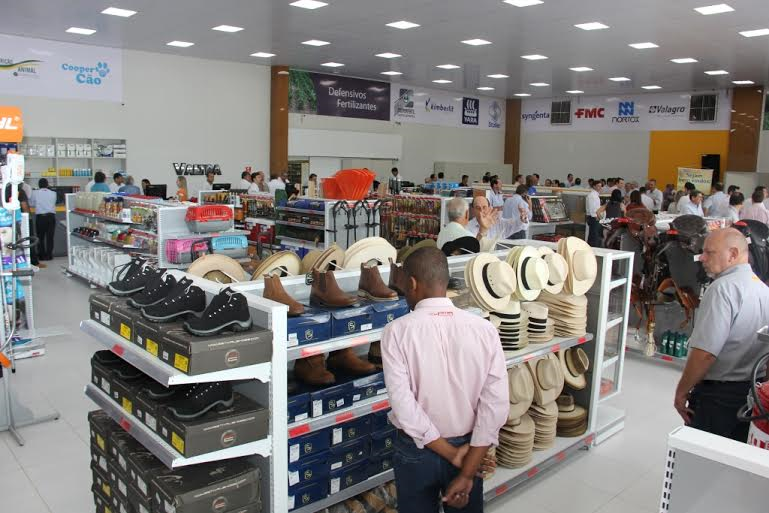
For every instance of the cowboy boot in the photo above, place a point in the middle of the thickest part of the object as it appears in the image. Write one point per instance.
(312, 371)
(273, 289)
(398, 278)
(325, 292)
(347, 362)
(375, 354)
(372, 287)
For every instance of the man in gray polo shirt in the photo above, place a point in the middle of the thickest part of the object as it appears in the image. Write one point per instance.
(724, 346)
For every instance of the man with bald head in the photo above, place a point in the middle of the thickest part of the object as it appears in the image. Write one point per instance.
(724, 347)
(499, 229)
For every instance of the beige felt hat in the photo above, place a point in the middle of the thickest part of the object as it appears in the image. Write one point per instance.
(282, 263)
(521, 391)
(583, 266)
(309, 260)
(558, 269)
(548, 378)
(530, 270)
(367, 251)
(216, 267)
(490, 280)
(331, 259)
(574, 364)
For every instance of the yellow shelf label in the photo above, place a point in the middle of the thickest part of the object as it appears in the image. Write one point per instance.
(125, 331)
(181, 362)
(177, 442)
(100, 442)
(128, 406)
(152, 347)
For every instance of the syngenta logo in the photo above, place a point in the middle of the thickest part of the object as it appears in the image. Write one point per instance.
(432, 107)
(533, 116)
(93, 75)
(592, 113)
(667, 110)
(626, 111)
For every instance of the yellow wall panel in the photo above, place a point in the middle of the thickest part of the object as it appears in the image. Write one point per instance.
(669, 150)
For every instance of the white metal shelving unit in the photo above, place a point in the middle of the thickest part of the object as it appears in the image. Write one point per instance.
(39, 164)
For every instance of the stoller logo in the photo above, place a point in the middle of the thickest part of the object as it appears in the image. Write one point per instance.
(431, 106)
(470, 111)
(495, 114)
(590, 113)
(626, 111)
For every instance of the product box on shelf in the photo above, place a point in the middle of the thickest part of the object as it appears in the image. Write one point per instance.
(142, 468)
(379, 420)
(101, 481)
(312, 326)
(148, 410)
(219, 486)
(122, 447)
(381, 463)
(121, 504)
(298, 407)
(101, 426)
(125, 390)
(99, 457)
(118, 481)
(330, 399)
(366, 387)
(245, 421)
(101, 370)
(114, 313)
(347, 321)
(385, 312)
(383, 441)
(302, 495)
(308, 469)
(346, 477)
(102, 502)
(307, 445)
(140, 503)
(348, 453)
(147, 334)
(350, 430)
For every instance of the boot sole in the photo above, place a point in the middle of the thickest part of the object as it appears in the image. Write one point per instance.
(233, 325)
(169, 318)
(191, 416)
(134, 304)
(121, 293)
(363, 293)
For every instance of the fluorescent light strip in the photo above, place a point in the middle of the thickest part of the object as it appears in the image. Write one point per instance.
(315, 42)
(388, 55)
(116, 11)
(643, 46)
(755, 33)
(332, 64)
(651, 87)
(684, 60)
(575, 91)
(180, 44)
(522, 94)
(714, 9)
(263, 55)
(485, 88)
(743, 82)
(81, 31)
(392, 73)
(448, 66)
(533, 57)
(441, 81)
(498, 75)
(619, 79)
(308, 4)
(227, 28)
(476, 42)
(524, 3)
(539, 84)
(403, 25)
(580, 69)
(717, 72)
(593, 25)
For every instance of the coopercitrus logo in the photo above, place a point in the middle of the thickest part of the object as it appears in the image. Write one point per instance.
(11, 124)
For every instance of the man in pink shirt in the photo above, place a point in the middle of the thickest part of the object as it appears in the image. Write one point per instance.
(756, 210)
(447, 382)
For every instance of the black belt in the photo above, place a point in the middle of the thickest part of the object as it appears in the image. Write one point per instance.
(403, 434)
(710, 382)
(47, 214)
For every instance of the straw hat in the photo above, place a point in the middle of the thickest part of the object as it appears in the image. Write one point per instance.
(282, 263)
(559, 269)
(537, 311)
(548, 378)
(368, 250)
(332, 255)
(404, 252)
(530, 270)
(574, 364)
(583, 267)
(214, 266)
(490, 280)
(309, 260)
(521, 391)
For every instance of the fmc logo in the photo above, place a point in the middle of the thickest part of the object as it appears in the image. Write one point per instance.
(592, 113)
(626, 113)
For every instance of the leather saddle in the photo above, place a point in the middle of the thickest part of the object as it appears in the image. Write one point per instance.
(690, 231)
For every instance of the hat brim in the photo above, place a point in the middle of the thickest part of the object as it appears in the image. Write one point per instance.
(522, 253)
(474, 277)
(287, 261)
(574, 381)
(332, 255)
(405, 252)
(367, 250)
(570, 246)
(222, 263)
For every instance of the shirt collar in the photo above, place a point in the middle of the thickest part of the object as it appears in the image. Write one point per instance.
(736, 269)
(434, 302)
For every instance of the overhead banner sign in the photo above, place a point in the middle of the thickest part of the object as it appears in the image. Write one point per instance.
(667, 111)
(38, 67)
(701, 178)
(433, 107)
(332, 95)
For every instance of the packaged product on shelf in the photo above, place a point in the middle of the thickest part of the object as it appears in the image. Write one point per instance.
(379, 464)
(308, 469)
(99, 457)
(233, 246)
(383, 440)
(126, 387)
(220, 486)
(309, 444)
(148, 409)
(385, 312)
(379, 420)
(120, 504)
(330, 399)
(351, 430)
(146, 334)
(245, 421)
(209, 218)
(142, 468)
(122, 444)
(114, 313)
(303, 495)
(118, 481)
(314, 325)
(103, 363)
(346, 477)
(140, 503)
(365, 387)
(298, 407)
(101, 482)
(101, 426)
(349, 453)
(347, 321)
(101, 500)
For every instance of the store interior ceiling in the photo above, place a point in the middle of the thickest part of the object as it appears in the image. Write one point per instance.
(357, 31)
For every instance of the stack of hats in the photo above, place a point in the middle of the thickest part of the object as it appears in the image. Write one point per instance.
(531, 272)
(541, 327)
(282, 263)
(572, 418)
(516, 437)
(583, 267)
(574, 364)
(511, 323)
(548, 380)
(329, 260)
(569, 313)
(369, 251)
(558, 269)
(490, 281)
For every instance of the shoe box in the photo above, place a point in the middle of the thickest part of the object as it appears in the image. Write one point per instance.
(121, 445)
(380, 420)
(114, 313)
(219, 486)
(102, 483)
(101, 426)
(379, 464)
(308, 445)
(103, 365)
(140, 504)
(311, 468)
(385, 312)
(314, 325)
(367, 386)
(346, 477)
(383, 441)
(118, 482)
(302, 495)
(330, 399)
(350, 430)
(349, 453)
(298, 407)
(146, 333)
(148, 410)
(102, 502)
(348, 321)
(245, 421)
(143, 467)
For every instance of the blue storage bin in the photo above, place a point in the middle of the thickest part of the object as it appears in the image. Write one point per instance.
(379, 464)
(298, 407)
(347, 321)
(310, 468)
(330, 399)
(347, 477)
(308, 493)
(385, 312)
(349, 453)
(383, 441)
(379, 420)
(312, 326)
(233, 246)
(306, 445)
(351, 430)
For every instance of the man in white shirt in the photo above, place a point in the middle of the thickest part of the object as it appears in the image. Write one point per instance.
(278, 183)
(117, 183)
(647, 200)
(655, 195)
(736, 200)
(498, 229)
(756, 210)
(592, 204)
(245, 181)
(688, 188)
(717, 205)
(518, 208)
(694, 206)
(570, 180)
(43, 201)
(494, 195)
(458, 214)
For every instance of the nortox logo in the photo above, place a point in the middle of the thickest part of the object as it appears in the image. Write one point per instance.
(470, 111)
(626, 113)
(626, 108)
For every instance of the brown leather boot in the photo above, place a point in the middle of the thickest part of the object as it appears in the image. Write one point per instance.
(397, 278)
(347, 362)
(326, 293)
(375, 354)
(273, 289)
(371, 285)
(312, 371)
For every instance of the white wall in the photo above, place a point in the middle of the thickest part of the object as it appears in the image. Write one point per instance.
(586, 154)
(763, 152)
(176, 109)
(423, 145)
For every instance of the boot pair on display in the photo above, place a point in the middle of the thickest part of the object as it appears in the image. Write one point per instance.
(314, 370)
(187, 402)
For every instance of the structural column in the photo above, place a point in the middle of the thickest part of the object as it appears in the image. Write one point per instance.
(747, 104)
(513, 136)
(278, 120)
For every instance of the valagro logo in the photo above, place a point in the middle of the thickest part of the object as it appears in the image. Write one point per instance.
(431, 106)
(667, 110)
(626, 111)
(88, 75)
(590, 113)
(495, 115)
(533, 116)
(26, 68)
(470, 111)
(404, 105)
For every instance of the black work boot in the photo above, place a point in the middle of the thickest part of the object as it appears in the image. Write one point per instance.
(130, 278)
(183, 299)
(198, 400)
(157, 289)
(228, 310)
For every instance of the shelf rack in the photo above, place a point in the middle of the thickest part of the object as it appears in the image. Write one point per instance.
(347, 493)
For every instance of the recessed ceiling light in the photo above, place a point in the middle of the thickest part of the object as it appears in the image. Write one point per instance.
(227, 28)
(651, 87)
(81, 31)
(263, 55)
(522, 94)
(115, 11)
(539, 84)
(315, 42)
(332, 64)
(713, 9)
(742, 82)
(442, 81)
(498, 75)
(643, 46)
(308, 4)
(755, 33)
(447, 66)
(180, 44)
(524, 3)
(533, 57)
(393, 73)
(684, 60)
(388, 55)
(476, 42)
(403, 25)
(717, 72)
(485, 88)
(593, 25)
(619, 79)
(575, 91)
(580, 69)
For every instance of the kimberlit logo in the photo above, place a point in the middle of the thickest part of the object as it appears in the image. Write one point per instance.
(592, 113)
(432, 107)
(533, 116)
(626, 111)
(495, 115)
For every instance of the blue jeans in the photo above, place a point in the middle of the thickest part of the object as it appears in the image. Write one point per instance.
(421, 476)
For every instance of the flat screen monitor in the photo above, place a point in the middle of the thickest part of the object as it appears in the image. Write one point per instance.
(222, 186)
(156, 191)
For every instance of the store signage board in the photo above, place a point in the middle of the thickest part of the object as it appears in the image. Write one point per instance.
(701, 178)
(38, 67)
(623, 112)
(333, 95)
(412, 104)
(11, 124)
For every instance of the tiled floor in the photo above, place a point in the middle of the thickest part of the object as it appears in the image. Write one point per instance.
(51, 474)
